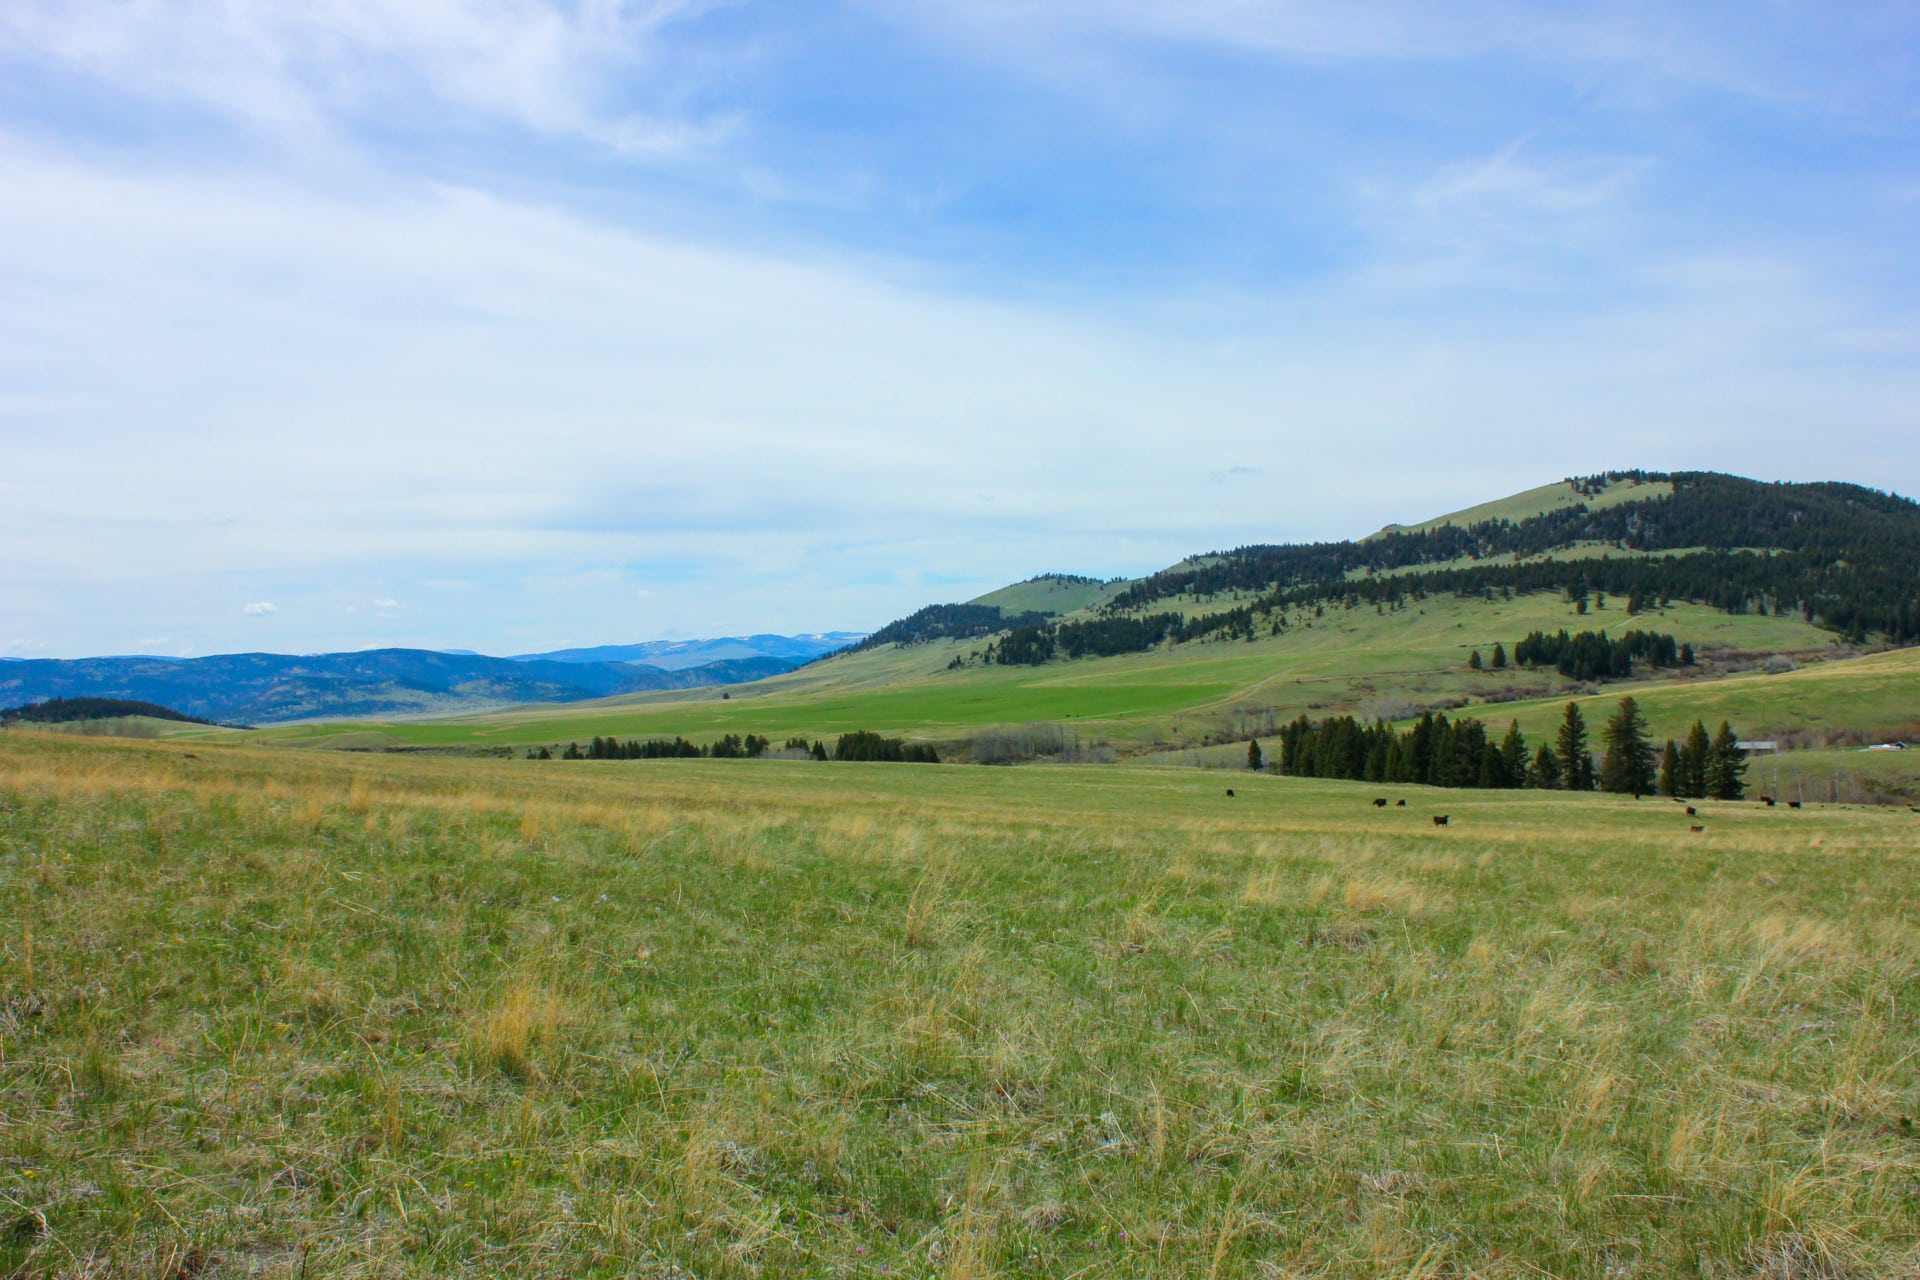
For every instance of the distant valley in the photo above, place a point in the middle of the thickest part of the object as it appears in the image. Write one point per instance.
(268, 688)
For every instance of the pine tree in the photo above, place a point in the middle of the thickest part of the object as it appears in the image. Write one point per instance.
(1672, 777)
(1544, 773)
(1693, 762)
(1576, 766)
(1513, 755)
(1629, 766)
(1255, 760)
(1726, 766)
(1474, 660)
(1499, 656)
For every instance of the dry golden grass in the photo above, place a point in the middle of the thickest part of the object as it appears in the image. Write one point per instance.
(370, 1016)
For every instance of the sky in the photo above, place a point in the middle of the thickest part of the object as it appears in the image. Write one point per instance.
(511, 325)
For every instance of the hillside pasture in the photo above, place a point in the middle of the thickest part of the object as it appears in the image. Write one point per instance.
(1359, 661)
(319, 1014)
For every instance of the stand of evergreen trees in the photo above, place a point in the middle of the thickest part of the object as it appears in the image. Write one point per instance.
(859, 745)
(651, 749)
(866, 745)
(1438, 752)
(944, 622)
(65, 710)
(1590, 655)
(1704, 768)
(1026, 646)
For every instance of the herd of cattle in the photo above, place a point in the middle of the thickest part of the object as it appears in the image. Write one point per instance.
(1440, 819)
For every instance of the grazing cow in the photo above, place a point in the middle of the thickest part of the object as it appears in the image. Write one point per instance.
(1440, 819)
(1401, 804)
(1229, 790)
(1767, 801)
(1692, 812)
(191, 756)
(1379, 804)
(1696, 830)
(1793, 804)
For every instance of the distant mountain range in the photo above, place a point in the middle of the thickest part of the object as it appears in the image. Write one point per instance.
(260, 688)
(678, 655)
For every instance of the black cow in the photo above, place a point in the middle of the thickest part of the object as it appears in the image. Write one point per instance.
(1767, 801)
(1229, 790)
(1440, 819)
(1401, 804)
(1379, 804)
(1696, 830)
(1692, 812)
(1793, 804)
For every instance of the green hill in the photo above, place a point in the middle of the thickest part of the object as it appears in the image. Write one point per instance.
(1548, 498)
(1186, 663)
(1055, 594)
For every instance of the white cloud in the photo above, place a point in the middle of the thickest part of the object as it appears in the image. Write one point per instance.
(479, 396)
(259, 609)
(292, 70)
(346, 385)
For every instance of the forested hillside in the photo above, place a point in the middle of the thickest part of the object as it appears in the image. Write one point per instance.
(1841, 556)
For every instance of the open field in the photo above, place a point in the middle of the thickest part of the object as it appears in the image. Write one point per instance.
(316, 1014)
(1878, 695)
(1534, 502)
(1360, 661)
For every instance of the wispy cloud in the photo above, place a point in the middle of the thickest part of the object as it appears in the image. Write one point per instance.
(259, 609)
(795, 314)
(592, 70)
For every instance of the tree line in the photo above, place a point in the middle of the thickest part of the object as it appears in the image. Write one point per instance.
(1841, 556)
(1590, 655)
(858, 745)
(1439, 752)
(63, 710)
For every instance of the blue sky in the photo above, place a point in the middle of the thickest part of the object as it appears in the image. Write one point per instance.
(508, 325)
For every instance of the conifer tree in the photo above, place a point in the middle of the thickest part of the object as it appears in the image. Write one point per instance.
(1473, 660)
(1255, 761)
(1513, 755)
(1693, 762)
(1576, 766)
(1499, 656)
(1629, 765)
(1544, 773)
(1672, 777)
(1726, 766)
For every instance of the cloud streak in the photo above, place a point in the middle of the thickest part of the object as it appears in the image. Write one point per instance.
(501, 322)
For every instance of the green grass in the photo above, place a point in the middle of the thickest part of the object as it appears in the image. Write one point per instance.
(1877, 695)
(317, 1014)
(1546, 498)
(1052, 595)
(1360, 661)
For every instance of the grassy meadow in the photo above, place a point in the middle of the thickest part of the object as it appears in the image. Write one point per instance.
(269, 1012)
(1366, 662)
